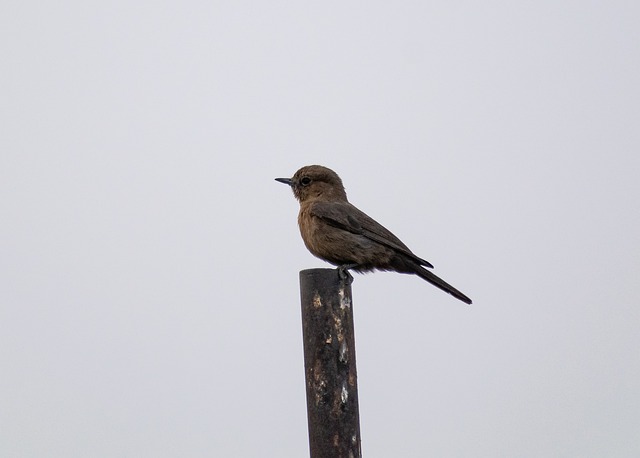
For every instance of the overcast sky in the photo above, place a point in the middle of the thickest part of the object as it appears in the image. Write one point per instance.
(149, 297)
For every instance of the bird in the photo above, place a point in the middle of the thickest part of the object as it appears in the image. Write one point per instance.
(336, 231)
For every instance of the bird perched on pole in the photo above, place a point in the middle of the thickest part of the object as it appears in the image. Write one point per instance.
(336, 231)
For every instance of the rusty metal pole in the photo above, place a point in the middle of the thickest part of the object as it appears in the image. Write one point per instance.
(330, 365)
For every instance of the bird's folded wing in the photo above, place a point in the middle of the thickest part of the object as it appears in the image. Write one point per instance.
(345, 216)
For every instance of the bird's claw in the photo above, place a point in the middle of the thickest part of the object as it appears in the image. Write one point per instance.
(345, 275)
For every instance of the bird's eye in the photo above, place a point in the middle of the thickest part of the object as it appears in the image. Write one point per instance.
(305, 181)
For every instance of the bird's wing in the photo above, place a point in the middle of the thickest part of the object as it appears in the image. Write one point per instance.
(345, 216)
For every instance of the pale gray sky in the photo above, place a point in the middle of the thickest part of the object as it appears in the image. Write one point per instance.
(149, 301)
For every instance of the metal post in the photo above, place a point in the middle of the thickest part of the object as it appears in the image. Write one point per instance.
(330, 365)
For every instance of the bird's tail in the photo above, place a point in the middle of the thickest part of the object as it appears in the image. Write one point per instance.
(440, 283)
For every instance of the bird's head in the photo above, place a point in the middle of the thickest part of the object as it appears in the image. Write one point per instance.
(315, 182)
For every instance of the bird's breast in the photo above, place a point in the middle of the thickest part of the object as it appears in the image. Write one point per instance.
(310, 230)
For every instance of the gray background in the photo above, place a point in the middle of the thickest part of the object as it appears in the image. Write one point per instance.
(149, 263)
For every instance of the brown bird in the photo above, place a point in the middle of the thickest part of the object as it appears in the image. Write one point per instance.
(339, 233)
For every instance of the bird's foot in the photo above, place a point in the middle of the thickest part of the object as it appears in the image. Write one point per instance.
(343, 272)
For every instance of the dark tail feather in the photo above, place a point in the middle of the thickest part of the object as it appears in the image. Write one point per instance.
(443, 285)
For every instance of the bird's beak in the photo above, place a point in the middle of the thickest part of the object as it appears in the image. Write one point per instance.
(285, 181)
